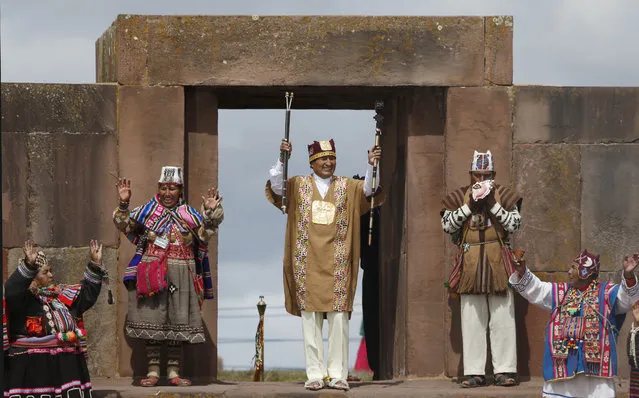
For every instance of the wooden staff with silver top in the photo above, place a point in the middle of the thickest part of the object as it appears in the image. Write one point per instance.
(379, 119)
(284, 154)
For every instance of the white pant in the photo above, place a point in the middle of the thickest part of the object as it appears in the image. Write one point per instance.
(476, 310)
(312, 323)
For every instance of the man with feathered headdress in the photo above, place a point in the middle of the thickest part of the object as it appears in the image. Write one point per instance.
(480, 217)
(580, 355)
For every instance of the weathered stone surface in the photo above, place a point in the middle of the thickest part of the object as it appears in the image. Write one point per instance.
(68, 265)
(584, 115)
(201, 104)
(105, 61)
(294, 50)
(58, 108)
(60, 145)
(392, 262)
(15, 168)
(609, 215)
(548, 177)
(477, 118)
(151, 135)
(499, 50)
(202, 173)
(5, 264)
(425, 254)
(70, 191)
(306, 97)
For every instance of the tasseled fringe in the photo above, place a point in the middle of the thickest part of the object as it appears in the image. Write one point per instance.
(468, 277)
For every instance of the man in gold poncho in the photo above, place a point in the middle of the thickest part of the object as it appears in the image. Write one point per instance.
(321, 255)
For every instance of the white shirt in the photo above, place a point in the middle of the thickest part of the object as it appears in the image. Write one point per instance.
(540, 293)
(276, 176)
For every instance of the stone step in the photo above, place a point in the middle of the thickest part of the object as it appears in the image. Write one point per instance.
(437, 387)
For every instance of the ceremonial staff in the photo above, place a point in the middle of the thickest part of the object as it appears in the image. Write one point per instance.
(258, 375)
(379, 119)
(284, 154)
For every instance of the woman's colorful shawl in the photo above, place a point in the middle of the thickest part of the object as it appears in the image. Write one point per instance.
(157, 218)
(594, 351)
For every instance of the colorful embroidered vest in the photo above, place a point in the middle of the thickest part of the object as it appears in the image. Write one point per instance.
(581, 336)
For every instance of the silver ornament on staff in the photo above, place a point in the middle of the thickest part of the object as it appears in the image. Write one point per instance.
(379, 119)
(284, 155)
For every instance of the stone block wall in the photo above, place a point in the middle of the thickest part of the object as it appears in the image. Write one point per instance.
(306, 51)
(447, 85)
(59, 147)
(63, 147)
(574, 161)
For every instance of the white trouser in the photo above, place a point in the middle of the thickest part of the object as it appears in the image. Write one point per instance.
(476, 310)
(337, 367)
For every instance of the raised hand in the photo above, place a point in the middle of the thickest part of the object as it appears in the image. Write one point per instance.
(30, 252)
(212, 199)
(629, 265)
(286, 147)
(124, 189)
(374, 155)
(95, 251)
(519, 262)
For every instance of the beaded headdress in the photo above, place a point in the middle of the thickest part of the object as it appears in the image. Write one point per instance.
(482, 161)
(171, 175)
(588, 264)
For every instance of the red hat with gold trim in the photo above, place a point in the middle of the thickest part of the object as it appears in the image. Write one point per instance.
(588, 264)
(319, 149)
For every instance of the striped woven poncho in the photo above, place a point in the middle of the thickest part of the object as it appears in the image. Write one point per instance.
(157, 218)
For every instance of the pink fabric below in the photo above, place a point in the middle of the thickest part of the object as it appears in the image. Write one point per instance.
(151, 277)
(361, 362)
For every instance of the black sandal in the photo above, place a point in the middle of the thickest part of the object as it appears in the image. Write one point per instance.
(505, 379)
(474, 381)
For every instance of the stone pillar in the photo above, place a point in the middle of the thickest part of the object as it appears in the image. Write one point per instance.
(574, 161)
(59, 145)
(477, 118)
(151, 135)
(392, 262)
(202, 173)
(425, 262)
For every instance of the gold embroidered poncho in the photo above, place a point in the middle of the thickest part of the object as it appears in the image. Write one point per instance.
(321, 255)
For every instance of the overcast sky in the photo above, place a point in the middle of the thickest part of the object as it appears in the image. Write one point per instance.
(561, 43)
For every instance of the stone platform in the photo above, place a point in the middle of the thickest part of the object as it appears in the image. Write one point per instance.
(436, 387)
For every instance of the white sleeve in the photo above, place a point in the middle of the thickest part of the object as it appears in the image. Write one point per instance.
(510, 220)
(532, 289)
(452, 221)
(626, 296)
(368, 181)
(276, 176)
